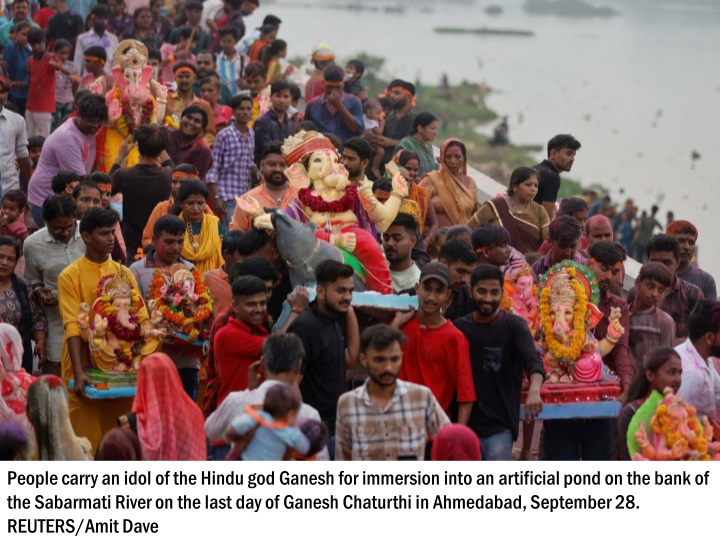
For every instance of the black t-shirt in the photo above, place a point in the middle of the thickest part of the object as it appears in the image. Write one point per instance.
(68, 25)
(323, 366)
(143, 187)
(500, 351)
(461, 305)
(549, 182)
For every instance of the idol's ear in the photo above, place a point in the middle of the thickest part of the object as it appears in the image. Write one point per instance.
(146, 75)
(594, 315)
(297, 176)
(119, 77)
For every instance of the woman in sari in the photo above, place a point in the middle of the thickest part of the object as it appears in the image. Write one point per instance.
(452, 193)
(168, 423)
(14, 379)
(47, 410)
(204, 232)
(425, 129)
(180, 174)
(526, 221)
(410, 161)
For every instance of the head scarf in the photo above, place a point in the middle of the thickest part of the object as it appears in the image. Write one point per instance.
(47, 409)
(119, 445)
(322, 52)
(170, 425)
(14, 379)
(456, 442)
(457, 200)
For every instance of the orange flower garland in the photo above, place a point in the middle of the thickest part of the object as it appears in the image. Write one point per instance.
(196, 326)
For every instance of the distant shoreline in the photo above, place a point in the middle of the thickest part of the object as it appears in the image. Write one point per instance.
(484, 31)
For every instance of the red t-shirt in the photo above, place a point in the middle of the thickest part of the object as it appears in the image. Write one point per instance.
(438, 358)
(41, 94)
(235, 348)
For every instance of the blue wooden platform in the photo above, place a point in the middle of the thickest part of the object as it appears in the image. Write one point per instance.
(566, 411)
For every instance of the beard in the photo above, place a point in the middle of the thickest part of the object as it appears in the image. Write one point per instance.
(276, 179)
(384, 379)
(486, 308)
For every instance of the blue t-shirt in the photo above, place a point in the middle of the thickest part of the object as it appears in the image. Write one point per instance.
(269, 444)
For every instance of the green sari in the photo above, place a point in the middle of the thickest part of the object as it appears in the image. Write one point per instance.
(428, 163)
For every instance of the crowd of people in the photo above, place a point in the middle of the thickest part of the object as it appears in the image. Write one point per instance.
(318, 379)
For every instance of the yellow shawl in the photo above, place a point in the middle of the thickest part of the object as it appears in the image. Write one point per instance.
(457, 200)
(208, 255)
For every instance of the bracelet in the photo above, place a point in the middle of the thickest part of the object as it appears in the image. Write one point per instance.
(162, 102)
(216, 197)
(396, 194)
(611, 340)
(297, 310)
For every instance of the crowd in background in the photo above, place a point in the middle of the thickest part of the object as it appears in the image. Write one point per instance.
(328, 382)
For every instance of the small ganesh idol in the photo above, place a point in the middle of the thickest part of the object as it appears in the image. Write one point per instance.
(117, 340)
(520, 295)
(178, 297)
(568, 313)
(666, 428)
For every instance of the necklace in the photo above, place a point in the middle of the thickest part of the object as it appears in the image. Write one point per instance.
(279, 199)
(509, 199)
(193, 243)
(318, 204)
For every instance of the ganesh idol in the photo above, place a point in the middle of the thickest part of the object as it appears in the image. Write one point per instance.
(568, 313)
(130, 103)
(520, 295)
(116, 338)
(666, 428)
(341, 213)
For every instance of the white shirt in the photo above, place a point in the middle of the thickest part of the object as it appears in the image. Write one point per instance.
(406, 279)
(234, 404)
(107, 41)
(700, 382)
(243, 46)
(45, 258)
(13, 144)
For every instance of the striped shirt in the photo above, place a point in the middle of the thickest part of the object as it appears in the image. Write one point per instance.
(365, 432)
(231, 70)
(232, 161)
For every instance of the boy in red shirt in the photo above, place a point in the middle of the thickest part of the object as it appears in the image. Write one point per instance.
(238, 343)
(41, 92)
(436, 354)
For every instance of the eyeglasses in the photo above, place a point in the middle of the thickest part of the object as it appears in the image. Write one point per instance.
(60, 230)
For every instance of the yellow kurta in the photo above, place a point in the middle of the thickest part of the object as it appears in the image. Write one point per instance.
(76, 284)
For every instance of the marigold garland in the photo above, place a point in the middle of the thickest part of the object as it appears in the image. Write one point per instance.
(318, 204)
(558, 350)
(126, 122)
(191, 318)
(663, 424)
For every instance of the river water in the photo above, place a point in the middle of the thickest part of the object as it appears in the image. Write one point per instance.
(640, 91)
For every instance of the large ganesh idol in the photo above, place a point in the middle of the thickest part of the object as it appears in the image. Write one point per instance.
(116, 338)
(338, 212)
(130, 102)
(568, 313)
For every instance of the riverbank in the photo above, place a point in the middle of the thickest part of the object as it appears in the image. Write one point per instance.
(464, 114)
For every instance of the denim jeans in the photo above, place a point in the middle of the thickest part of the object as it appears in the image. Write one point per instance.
(230, 210)
(570, 440)
(218, 453)
(190, 381)
(36, 212)
(497, 447)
